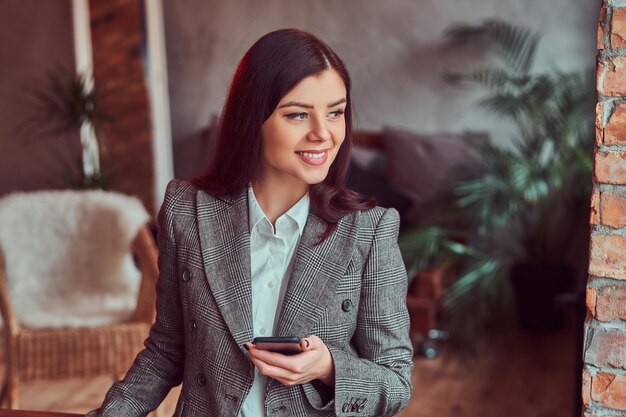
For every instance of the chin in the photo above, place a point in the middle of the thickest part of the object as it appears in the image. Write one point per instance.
(315, 179)
(314, 182)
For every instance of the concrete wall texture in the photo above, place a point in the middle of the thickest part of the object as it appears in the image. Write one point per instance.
(35, 36)
(395, 50)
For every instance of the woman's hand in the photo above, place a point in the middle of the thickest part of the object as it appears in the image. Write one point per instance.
(315, 362)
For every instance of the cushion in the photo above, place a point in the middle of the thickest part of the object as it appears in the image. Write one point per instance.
(369, 159)
(424, 165)
(68, 258)
(368, 183)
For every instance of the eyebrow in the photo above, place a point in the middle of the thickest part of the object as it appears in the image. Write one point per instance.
(309, 106)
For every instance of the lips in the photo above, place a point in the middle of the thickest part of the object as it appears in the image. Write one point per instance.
(312, 154)
(313, 157)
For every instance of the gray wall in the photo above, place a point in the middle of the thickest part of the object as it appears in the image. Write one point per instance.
(395, 51)
(35, 36)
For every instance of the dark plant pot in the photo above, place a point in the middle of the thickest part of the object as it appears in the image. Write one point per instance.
(536, 287)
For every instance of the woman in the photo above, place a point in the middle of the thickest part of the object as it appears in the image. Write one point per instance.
(270, 242)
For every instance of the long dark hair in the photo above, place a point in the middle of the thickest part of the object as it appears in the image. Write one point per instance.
(274, 65)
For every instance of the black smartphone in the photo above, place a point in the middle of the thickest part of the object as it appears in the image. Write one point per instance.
(285, 345)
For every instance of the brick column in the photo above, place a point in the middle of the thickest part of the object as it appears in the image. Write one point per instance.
(604, 374)
(117, 32)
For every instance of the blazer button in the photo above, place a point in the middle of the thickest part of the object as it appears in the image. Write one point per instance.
(192, 326)
(186, 275)
(201, 379)
(346, 305)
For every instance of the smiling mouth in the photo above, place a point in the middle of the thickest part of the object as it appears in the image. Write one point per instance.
(313, 155)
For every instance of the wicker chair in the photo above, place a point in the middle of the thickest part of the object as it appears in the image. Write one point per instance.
(54, 353)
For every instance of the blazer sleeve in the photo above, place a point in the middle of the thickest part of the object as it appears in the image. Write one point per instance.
(159, 366)
(377, 382)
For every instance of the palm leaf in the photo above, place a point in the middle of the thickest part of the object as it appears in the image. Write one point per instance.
(478, 303)
(493, 78)
(505, 104)
(516, 201)
(426, 247)
(515, 46)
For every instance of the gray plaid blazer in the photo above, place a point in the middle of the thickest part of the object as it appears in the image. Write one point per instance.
(349, 290)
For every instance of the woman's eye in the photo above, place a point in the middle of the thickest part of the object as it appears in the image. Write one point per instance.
(297, 116)
(336, 114)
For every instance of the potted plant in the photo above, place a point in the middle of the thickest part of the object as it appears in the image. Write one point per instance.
(66, 106)
(519, 205)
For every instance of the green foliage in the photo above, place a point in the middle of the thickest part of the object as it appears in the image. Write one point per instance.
(59, 105)
(431, 245)
(517, 203)
(56, 109)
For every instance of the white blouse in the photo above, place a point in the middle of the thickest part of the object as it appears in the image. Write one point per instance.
(271, 255)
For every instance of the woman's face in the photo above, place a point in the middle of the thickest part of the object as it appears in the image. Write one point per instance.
(302, 136)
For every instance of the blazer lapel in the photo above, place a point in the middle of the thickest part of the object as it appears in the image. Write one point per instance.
(225, 243)
(316, 272)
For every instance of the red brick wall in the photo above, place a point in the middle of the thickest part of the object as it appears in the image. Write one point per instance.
(117, 31)
(604, 374)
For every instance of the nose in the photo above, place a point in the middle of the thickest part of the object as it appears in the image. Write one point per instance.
(319, 131)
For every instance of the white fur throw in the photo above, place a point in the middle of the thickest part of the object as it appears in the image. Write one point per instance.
(68, 256)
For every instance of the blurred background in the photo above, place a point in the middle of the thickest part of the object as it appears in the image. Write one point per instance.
(474, 119)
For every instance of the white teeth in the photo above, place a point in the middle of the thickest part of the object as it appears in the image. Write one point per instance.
(313, 155)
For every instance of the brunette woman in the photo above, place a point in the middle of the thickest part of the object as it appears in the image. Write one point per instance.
(270, 242)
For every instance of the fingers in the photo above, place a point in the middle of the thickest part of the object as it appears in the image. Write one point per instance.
(314, 362)
(311, 343)
(283, 376)
(293, 363)
(325, 367)
(305, 344)
(290, 375)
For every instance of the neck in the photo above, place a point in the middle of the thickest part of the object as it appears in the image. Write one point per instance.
(276, 198)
